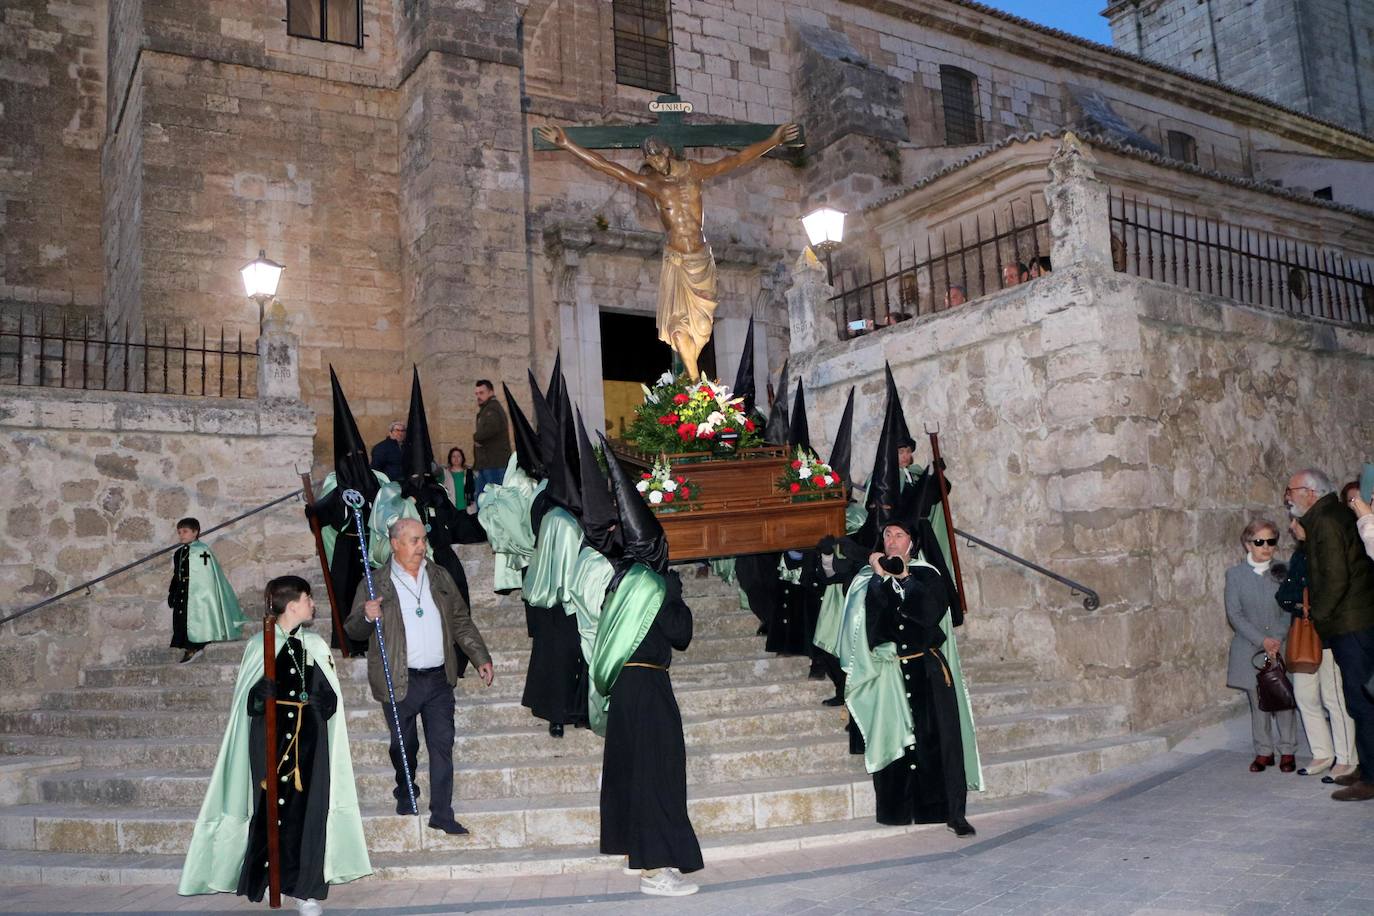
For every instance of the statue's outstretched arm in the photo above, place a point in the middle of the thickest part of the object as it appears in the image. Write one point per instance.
(555, 135)
(785, 133)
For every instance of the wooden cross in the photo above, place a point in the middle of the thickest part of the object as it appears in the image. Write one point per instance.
(669, 110)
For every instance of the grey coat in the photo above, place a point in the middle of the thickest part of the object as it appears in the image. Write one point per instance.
(1253, 614)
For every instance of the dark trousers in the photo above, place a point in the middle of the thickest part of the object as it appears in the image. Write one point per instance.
(429, 696)
(1354, 654)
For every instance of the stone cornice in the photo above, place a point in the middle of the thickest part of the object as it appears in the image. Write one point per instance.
(577, 239)
(987, 26)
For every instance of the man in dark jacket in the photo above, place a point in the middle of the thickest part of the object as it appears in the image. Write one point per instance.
(490, 438)
(386, 455)
(1341, 592)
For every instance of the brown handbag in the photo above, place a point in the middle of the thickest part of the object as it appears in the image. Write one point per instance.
(1303, 650)
(1272, 687)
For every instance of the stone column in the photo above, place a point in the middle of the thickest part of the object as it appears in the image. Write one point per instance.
(1080, 221)
(810, 315)
(279, 373)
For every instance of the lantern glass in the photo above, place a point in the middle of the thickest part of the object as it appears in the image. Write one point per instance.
(824, 227)
(260, 277)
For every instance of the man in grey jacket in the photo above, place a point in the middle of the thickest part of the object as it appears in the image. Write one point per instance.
(490, 439)
(423, 616)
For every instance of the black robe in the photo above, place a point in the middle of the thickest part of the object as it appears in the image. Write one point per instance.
(927, 784)
(178, 592)
(301, 812)
(843, 568)
(757, 575)
(644, 769)
(346, 566)
(795, 604)
(556, 677)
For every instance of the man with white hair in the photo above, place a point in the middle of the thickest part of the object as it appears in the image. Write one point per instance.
(1341, 593)
(423, 616)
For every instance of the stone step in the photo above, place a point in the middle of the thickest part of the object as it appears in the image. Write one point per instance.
(549, 828)
(719, 762)
(20, 774)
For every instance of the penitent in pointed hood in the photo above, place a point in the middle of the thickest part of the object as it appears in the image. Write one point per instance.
(418, 456)
(777, 431)
(640, 532)
(598, 520)
(351, 467)
(526, 439)
(884, 484)
(799, 432)
(562, 489)
(840, 450)
(744, 376)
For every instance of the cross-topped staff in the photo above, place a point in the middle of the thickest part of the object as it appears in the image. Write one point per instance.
(687, 286)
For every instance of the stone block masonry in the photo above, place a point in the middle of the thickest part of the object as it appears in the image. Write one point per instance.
(94, 480)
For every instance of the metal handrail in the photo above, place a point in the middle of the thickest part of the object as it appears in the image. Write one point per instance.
(1091, 601)
(141, 560)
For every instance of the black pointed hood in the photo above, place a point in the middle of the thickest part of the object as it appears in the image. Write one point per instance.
(526, 439)
(776, 432)
(598, 520)
(744, 376)
(352, 470)
(641, 534)
(562, 489)
(884, 484)
(418, 455)
(900, 430)
(843, 444)
(799, 432)
(553, 391)
(563, 410)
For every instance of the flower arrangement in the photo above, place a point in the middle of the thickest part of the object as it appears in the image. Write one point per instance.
(664, 491)
(809, 477)
(679, 415)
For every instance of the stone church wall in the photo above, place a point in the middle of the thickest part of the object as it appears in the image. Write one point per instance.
(94, 480)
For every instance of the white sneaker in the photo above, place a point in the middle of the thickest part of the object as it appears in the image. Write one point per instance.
(667, 883)
(309, 907)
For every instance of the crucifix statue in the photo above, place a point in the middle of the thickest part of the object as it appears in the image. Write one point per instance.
(687, 285)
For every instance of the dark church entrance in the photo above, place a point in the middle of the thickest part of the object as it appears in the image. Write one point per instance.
(632, 355)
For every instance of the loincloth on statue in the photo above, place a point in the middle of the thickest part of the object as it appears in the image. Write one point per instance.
(687, 295)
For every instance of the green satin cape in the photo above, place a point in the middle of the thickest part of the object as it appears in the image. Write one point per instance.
(590, 576)
(212, 608)
(875, 693)
(626, 616)
(328, 533)
(548, 578)
(831, 616)
(389, 507)
(504, 512)
(220, 841)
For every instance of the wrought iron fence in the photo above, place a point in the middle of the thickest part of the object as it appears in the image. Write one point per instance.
(66, 353)
(958, 266)
(1248, 265)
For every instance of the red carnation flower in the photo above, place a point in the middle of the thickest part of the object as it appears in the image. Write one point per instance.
(646, 476)
(682, 480)
(681, 398)
(796, 465)
(749, 425)
(686, 493)
(795, 487)
(686, 431)
(667, 497)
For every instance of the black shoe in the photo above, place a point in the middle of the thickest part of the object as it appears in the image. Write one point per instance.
(962, 828)
(451, 827)
(833, 701)
(403, 805)
(189, 654)
(762, 630)
(815, 674)
(555, 730)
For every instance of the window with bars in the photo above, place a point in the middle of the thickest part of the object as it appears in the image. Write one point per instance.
(959, 96)
(1182, 147)
(643, 44)
(335, 21)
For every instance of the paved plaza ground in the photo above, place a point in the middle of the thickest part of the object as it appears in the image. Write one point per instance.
(1189, 832)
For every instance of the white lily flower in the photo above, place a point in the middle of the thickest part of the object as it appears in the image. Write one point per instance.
(664, 379)
(803, 472)
(703, 428)
(670, 485)
(655, 497)
(715, 418)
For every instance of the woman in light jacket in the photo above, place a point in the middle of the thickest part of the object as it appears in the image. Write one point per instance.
(1260, 625)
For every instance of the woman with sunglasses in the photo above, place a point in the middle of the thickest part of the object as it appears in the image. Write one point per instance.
(1260, 625)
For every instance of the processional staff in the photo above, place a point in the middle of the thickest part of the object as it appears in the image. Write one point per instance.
(354, 501)
(335, 612)
(269, 672)
(949, 519)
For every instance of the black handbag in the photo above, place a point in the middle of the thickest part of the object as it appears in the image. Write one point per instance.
(1272, 686)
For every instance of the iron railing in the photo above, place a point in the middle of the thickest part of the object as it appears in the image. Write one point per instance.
(1091, 600)
(66, 353)
(25, 611)
(955, 268)
(1211, 256)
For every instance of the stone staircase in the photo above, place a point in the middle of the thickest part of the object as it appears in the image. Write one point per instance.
(101, 783)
